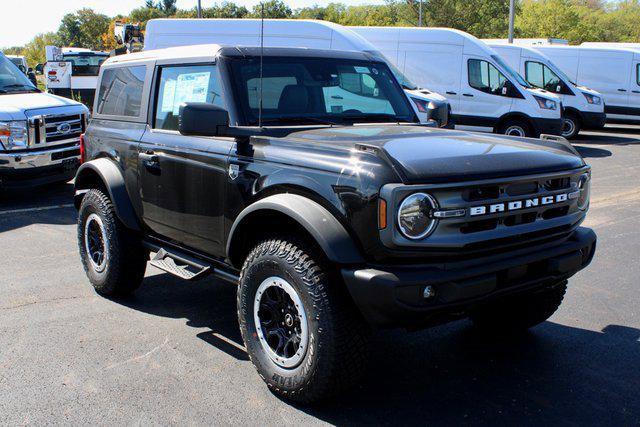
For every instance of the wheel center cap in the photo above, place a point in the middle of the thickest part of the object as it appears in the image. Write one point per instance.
(288, 320)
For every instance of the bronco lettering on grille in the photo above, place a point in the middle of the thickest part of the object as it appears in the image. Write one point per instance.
(520, 204)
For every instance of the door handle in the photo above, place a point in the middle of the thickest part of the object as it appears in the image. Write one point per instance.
(337, 97)
(451, 93)
(635, 91)
(467, 94)
(622, 90)
(150, 160)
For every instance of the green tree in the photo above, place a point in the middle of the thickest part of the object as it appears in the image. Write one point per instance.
(223, 10)
(272, 9)
(34, 51)
(83, 28)
(482, 18)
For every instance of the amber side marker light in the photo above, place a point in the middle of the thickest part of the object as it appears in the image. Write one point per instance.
(382, 214)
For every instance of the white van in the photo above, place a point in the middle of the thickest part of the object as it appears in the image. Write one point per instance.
(485, 93)
(162, 33)
(583, 108)
(614, 72)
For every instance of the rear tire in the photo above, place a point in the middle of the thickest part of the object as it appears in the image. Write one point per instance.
(516, 127)
(112, 255)
(571, 126)
(519, 313)
(299, 325)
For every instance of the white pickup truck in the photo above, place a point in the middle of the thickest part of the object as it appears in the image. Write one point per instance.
(39, 132)
(73, 72)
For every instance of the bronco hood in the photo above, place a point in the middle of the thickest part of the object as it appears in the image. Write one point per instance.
(422, 155)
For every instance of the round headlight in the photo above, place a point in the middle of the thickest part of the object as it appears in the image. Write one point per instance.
(415, 218)
(584, 186)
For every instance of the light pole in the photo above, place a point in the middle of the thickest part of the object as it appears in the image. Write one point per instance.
(420, 14)
(199, 9)
(512, 16)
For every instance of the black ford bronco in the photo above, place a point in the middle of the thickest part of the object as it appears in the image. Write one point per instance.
(303, 176)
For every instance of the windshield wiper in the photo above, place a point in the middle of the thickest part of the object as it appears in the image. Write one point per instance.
(298, 120)
(18, 85)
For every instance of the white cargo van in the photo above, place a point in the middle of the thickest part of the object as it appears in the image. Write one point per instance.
(73, 72)
(583, 108)
(162, 33)
(614, 72)
(485, 93)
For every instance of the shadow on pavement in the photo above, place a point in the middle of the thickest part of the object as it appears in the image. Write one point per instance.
(607, 139)
(592, 151)
(451, 374)
(43, 205)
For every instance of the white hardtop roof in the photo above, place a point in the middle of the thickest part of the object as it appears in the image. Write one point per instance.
(193, 52)
(167, 32)
(435, 35)
(14, 56)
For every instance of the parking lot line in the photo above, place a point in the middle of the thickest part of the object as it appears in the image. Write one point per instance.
(36, 209)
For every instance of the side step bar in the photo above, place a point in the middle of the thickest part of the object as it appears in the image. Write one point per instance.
(185, 266)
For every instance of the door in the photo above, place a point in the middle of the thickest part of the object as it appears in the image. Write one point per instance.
(634, 96)
(182, 178)
(608, 72)
(484, 98)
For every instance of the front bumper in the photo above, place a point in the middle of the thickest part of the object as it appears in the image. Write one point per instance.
(32, 168)
(547, 126)
(392, 296)
(593, 120)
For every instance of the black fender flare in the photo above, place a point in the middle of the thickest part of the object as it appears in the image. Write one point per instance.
(514, 115)
(110, 175)
(321, 224)
(574, 111)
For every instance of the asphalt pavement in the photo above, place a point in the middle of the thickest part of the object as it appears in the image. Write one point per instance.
(172, 354)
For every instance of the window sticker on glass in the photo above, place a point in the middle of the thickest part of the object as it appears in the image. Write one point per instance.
(362, 70)
(168, 96)
(190, 88)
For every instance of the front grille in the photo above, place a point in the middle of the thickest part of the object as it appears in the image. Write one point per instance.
(497, 215)
(56, 129)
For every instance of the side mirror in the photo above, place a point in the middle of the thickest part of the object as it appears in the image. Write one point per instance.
(202, 119)
(39, 68)
(22, 68)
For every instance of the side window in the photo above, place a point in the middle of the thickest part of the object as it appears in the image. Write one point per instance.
(534, 73)
(120, 92)
(541, 76)
(357, 92)
(272, 88)
(485, 77)
(638, 74)
(193, 83)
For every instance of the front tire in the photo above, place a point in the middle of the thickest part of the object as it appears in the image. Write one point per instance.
(112, 255)
(516, 127)
(521, 312)
(571, 126)
(299, 326)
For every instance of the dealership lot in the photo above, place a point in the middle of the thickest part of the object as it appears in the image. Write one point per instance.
(172, 354)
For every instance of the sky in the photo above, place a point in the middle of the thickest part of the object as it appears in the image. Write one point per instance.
(21, 20)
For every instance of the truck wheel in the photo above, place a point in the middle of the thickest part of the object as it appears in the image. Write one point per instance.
(113, 257)
(570, 126)
(515, 127)
(301, 330)
(518, 313)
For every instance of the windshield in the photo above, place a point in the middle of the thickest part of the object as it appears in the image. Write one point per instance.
(318, 90)
(85, 64)
(12, 79)
(559, 72)
(513, 73)
(16, 61)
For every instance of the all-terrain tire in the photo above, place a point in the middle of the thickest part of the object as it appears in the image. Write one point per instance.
(518, 313)
(336, 352)
(124, 258)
